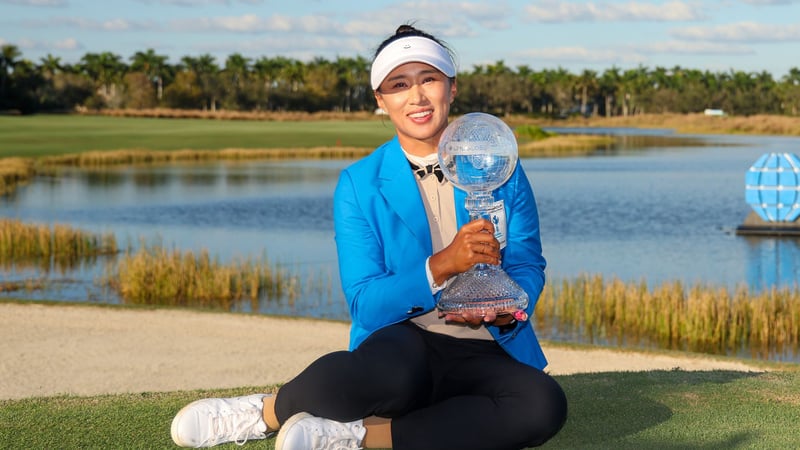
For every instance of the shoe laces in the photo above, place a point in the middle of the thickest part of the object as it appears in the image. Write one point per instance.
(341, 438)
(235, 425)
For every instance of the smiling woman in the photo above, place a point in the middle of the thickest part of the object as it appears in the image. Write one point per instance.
(400, 238)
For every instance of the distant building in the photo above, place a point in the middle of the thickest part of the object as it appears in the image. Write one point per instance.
(714, 112)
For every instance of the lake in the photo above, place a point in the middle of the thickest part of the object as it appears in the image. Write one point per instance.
(658, 208)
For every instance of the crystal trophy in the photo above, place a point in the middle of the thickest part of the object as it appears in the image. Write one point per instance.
(478, 153)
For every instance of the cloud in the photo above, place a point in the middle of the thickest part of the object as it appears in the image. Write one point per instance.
(694, 48)
(444, 20)
(94, 25)
(196, 3)
(303, 48)
(741, 32)
(251, 23)
(581, 55)
(632, 54)
(67, 44)
(769, 2)
(552, 11)
(47, 3)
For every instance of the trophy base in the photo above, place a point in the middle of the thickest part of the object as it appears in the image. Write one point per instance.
(481, 308)
(482, 290)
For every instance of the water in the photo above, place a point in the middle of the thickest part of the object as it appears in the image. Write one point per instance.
(662, 213)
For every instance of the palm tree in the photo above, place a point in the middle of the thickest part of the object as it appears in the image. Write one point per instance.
(154, 66)
(51, 65)
(237, 67)
(790, 90)
(105, 70)
(634, 85)
(587, 84)
(8, 61)
(205, 69)
(527, 87)
(353, 83)
(610, 82)
(235, 82)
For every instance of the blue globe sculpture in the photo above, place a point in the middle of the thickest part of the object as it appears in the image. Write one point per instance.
(772, 187)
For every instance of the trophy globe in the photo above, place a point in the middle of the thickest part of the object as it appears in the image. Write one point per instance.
(478, 153)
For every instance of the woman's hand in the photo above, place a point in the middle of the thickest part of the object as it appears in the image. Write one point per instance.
(473, 244)
(476, 321)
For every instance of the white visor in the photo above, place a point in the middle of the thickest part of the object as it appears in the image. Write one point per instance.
(410, 49)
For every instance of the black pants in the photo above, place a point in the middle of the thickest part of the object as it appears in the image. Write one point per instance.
(440, 392)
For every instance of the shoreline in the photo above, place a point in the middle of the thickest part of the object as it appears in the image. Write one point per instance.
(86, 350)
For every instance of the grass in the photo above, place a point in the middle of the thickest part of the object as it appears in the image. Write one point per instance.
(697, 123)
(625, 410)
(44, 246)
(53, 135)
(154, 275)
(701, 318)
(40, 144)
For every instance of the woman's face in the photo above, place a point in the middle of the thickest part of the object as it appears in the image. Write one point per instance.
(417, 98)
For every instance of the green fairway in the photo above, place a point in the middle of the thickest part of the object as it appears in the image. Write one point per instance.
(44, 135)
(633, 410)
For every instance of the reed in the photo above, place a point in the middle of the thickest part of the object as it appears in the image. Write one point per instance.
(698, 318)
(275, 116)
(23, 244)
(693, 123)
(565, 145)
(27, 285)
(155, 275)
(91, 159)
(14, 172)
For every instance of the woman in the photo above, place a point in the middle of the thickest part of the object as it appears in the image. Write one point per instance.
(413, 378)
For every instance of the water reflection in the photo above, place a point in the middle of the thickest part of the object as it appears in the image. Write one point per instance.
(772, 261)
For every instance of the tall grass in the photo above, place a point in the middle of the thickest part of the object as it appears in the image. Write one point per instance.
(155, 275)
(14, 172)
(120, 157)
(43, 245)
(698, 318)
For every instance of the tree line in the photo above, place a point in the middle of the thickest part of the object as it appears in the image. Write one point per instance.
(149, 80)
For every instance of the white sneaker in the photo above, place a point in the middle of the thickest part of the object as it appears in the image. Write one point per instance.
(212, 421)
(305, 432)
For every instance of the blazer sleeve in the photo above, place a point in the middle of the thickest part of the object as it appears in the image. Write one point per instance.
(381, 264)
(522, 257)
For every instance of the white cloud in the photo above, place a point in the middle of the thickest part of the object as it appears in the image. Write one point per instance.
(695, 48)
(740, 32)
(30, 44)
(769, 2)
(67, 44)
(581, 55)
(553, 11)
(94, 25)
(47, 3)
(250, 23)
(196, 3)
(303, 48)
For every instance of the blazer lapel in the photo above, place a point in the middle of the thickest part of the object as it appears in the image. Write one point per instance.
(400, 190)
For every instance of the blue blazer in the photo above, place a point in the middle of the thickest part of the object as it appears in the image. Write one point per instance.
(383, 240)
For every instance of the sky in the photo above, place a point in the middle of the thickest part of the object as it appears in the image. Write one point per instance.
(714, 35)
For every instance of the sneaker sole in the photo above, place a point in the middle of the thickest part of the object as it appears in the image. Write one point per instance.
(289, 423)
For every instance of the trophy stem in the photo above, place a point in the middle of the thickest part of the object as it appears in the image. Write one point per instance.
(478, 203)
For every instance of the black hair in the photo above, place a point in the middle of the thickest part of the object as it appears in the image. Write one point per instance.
(407, 30)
